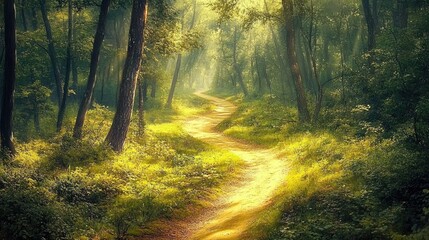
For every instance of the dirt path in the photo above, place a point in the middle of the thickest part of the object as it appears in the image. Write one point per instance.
(242, 201)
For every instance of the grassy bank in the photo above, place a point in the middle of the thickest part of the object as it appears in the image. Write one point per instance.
(61, 188)
(345, 181)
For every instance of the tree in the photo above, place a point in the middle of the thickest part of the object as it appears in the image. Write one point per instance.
(179, 63)
(63, 105)
(288, 12)
(370, 14)
(121, 121)
(9, 77)
(95, 55)
(51, 50)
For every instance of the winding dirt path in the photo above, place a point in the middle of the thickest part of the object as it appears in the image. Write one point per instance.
(241, 202)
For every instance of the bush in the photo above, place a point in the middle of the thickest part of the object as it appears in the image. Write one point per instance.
(131, 211)
(77, 186)
(28, 211)
(73, 153)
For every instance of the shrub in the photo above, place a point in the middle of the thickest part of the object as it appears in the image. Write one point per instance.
(28, 211)
(131, 211)
(73, 153)
(77, 186)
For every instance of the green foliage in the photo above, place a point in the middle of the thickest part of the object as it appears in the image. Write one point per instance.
(72, 153)
(33, 103)
(28, 211)
(129, 211)
(77, 186)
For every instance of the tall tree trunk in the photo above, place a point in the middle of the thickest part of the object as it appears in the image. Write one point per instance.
(51, 51)
(103, 82)
(283, 72)
(121, 122)
(174, 81)
(9, 77)
(301, 97)
(179, 63)
(75, 76)
(236, 66)
(23, 17)
(369, 18)
(95, 55)
(153, 89)
(312, 43)
(63, 106)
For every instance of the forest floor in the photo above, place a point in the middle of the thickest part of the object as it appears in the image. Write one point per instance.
(241, 202)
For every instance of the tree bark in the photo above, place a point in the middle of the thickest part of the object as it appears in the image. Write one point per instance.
(236, 66)
(95, 55)
(280, 59)
(370, 23)
(174, 81)
(121, 122)
(63, 106)
(23, 17)
(301, 97)
(153, 89)
(51, 51)
(9, 77)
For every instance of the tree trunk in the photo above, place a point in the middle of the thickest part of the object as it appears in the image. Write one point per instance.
(51, 51)
(283, 72)
(103, 82)
(121, 122)
(9, 77)
(174, 82)
(63, 106)
(370, 24)
(75, 76)
(153, 89)
(237, 69)
(23, 17)
(288, 10)
(98, 40)
(144, 89)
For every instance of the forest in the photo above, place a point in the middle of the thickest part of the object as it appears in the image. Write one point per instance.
(214, 119)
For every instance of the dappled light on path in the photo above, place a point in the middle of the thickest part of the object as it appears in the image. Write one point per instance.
(241, 202)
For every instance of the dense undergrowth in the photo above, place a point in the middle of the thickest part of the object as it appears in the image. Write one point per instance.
(61, 188)
(346, 180)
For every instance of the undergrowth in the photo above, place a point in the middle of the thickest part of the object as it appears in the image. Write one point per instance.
(346, 181)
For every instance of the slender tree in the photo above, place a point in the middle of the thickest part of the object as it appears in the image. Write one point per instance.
(179, 63)
(236, 66)
(370, 22)
(174, 81)
(121, 122)
(63, 105)
(9, 77)
(51, 51)
(288, 11)
(98, 40)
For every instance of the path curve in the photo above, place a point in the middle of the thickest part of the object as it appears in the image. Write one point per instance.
(241, 202)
